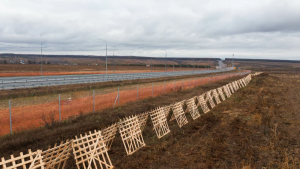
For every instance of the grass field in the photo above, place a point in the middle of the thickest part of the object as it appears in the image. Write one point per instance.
(261, 65)
(257, 127)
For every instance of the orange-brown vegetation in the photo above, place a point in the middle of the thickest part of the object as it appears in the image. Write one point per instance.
(31, 116)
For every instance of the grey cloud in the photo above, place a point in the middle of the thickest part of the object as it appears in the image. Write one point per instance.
(217, 28)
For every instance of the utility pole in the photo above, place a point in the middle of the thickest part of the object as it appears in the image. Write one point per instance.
(105, 55)
(151, 66)
(208, 63)
(41, 58)
(193, 64)
(114, 61)
(233, 60)
(166, 62)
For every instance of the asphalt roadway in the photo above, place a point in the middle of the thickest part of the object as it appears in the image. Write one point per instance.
(8, 83)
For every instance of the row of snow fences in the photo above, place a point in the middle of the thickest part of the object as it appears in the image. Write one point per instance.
(257, 73)
(91, 149)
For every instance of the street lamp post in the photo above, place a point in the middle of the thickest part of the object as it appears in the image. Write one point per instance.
(233, 60)
(207, 63)
(105, 55)
(193, 64)
(41, 58)
(114, 62)
(166, 61)
(151, 64)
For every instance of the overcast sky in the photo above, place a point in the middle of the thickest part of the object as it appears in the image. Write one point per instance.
(204, 28)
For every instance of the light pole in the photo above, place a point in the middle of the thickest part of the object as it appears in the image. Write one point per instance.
(151, 64)
(151, 56)
(105, 55)
(166, 61)
(41, 57)
(114, 61)
(207, 63)
(233, 60)
(193, 63)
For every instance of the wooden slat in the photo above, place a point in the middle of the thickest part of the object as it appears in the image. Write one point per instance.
(238, 84)
(202, 104)
(179, 114)
(131, 134)
(216, 96)
(231, 88)
(192, 108)
(167, 110)
(241, 83)
(143, 119)
(182, 104)
(220, 91)
(57, 156)
(210, 100)
(227, 91)
(32, 160)
(234, 86)
(159, 122)
(90, 151)
(109, 134)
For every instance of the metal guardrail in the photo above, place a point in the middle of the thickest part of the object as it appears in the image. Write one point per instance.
(7, 83)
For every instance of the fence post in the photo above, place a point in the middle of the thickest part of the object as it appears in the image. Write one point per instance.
(10, 122)
(93, 100)
(152, 89)
(181, 84)
(174, 85)
(59, 107)
(118, 95)
(137, 91)
(164, 87)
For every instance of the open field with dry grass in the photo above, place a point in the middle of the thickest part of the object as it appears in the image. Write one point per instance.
(263, 65)
(258, 126)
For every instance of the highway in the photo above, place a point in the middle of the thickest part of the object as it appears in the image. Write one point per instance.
(7, 83)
